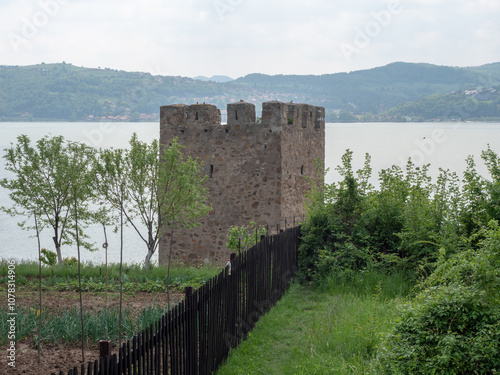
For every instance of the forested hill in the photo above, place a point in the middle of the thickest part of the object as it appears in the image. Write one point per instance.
(69, 93)
(478, 104)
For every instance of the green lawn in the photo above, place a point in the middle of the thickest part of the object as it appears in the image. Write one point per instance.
(334, 330)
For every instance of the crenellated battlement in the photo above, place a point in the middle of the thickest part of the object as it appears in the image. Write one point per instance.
(257, 169)
(184, 115)
(275, 115)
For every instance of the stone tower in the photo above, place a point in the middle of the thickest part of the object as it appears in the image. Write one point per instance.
(256, 169)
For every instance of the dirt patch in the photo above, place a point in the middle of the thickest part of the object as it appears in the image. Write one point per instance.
(62, 357)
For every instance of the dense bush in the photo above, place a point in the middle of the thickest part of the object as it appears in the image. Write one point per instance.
(400, 226)
(446, 231)
(453, 324)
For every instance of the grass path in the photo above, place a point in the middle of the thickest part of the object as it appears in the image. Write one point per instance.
(330, 331)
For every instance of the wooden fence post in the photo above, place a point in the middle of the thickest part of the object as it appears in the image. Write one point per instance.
(104, 348)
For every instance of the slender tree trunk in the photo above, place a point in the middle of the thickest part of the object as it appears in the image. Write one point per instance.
(106, 300)
(79, 277)
(147, 260)
(56, 242)
(39, 289)
(121, 283)
(170, 261)
(151, 248)
(58, 251)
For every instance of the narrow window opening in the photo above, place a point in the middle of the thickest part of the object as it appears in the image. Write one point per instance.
(310, 114)
(211, 171)
(196, 118)
(302, 170)
(236, 115)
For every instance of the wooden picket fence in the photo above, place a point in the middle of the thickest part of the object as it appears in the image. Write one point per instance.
(196, 335)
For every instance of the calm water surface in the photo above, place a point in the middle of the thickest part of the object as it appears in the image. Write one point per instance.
(444, 145)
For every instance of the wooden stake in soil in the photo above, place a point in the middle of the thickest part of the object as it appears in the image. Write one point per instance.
(104, 348)
(105, 245)
(39, 290)
(170, 260)
(121, 283)
(79, 277)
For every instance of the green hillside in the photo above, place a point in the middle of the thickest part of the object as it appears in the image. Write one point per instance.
(475, 104)
(69, 93)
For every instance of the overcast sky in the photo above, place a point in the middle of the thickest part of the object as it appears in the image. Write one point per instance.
(238, 37)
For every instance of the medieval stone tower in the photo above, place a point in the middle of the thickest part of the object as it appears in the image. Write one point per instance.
(256, 169)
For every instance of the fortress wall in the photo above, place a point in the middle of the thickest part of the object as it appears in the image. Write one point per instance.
(303, 141)
(256, 169)
(242, 162)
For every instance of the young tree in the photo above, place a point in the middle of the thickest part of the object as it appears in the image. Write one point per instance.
(111, 178)
(80, 159)
(166, 191)
(42, 184)
(155, 192)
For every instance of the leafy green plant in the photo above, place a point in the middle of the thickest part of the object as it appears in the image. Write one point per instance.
(64, 326)
(70, 261)
(45, 184)
(244, 237)
(453, 324)
(48, 257)
(401, 226)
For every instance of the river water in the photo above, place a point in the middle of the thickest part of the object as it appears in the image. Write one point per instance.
(443, 145)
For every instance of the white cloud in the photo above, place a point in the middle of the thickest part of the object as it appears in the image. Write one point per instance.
(193, 37)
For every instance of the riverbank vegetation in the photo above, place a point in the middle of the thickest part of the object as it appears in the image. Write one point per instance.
(399, 280)
(65, 186)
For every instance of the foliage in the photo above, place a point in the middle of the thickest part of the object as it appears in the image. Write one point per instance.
(460, 105)
(56, 180)
(48, 180)
(351, 226)
(64, 326)
(244, 237)
(151, 187)
(48, 257)
(135, 277)
(70, 261)
(29, 269)
(453, 324)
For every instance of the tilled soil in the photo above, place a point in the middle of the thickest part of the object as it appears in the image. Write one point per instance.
(62, 357)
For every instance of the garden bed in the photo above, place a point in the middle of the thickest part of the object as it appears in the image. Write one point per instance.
(62, 355)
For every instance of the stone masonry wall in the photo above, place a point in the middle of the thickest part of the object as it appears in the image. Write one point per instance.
(256, 169)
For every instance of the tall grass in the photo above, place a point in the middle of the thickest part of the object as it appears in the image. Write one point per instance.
(334, 329)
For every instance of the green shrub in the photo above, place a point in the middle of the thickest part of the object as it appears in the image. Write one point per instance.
(453, 325)
(244, 237)
(48, 257)
(445, 330)
(351, 227)
(70, 261)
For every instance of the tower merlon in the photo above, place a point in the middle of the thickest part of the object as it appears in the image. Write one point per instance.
(184, 115)
(240, 113)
